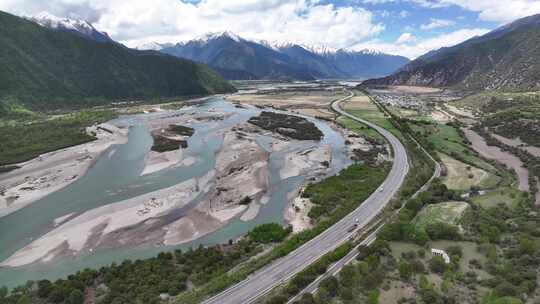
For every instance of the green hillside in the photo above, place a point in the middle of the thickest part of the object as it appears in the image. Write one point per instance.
(46, 69)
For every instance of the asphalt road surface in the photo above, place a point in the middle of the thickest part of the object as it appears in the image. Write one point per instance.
(261, 282)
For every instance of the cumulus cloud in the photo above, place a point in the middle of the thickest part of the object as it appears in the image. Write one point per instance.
(414, 48)
(405, 38)
(437, 23)
(500, 11)
(489, 10)
(138, 21)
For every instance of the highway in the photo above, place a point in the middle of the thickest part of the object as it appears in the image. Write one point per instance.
(263, 281)
(335, 268)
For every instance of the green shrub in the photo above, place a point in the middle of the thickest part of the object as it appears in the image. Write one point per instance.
(437, 265)
(269, 233)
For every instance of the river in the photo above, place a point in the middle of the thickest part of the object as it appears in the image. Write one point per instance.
(116, 177)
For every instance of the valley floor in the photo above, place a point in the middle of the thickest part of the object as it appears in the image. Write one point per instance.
(237, 186)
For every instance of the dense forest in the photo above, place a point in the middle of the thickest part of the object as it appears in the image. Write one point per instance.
(46, 69)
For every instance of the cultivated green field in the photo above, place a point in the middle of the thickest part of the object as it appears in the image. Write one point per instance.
(507, 196)
(461, 176)
(447, 139)
(448, 212)
(359, 128)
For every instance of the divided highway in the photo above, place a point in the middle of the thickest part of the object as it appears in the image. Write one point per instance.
(261, 282)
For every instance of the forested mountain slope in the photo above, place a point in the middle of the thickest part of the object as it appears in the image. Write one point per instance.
(45, 68)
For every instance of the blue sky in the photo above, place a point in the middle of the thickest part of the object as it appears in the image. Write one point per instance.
(400, 17)
(403, 27)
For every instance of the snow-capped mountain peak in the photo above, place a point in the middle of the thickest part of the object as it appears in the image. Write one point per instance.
(321, 49)
(215, 35)
(316, 49)
(371, 52)
(49, 20)
(153, 46)
(78, 26)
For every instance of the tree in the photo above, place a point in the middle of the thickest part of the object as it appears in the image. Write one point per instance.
(76, 297)
(373, 297)
(417, 266)
(442, 231)
(331, 285)
(456, 251)
(306, 298)
(527, 246)
(3, 292)
(505, 289)
(405, 270)
(268, 233)
(44, 288)
(430, 296)
(278, 299)
(24, 300)
(349, 276)
(437, 265)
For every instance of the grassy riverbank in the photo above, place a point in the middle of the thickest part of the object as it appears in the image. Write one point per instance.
(24, 138)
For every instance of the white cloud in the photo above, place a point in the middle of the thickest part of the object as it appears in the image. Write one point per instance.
(404, 14)
(378, 1)
(138, 21)
(489, 10)
(405, 38)
(415, 48)
(437, 23)
(497, 10)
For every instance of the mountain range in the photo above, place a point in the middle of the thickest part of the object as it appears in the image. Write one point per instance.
(48, 68)
(238, 58)
(505, 58)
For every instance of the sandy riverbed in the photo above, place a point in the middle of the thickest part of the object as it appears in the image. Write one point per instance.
(312, 159)
(313, 103)
(155, 161)
(413, 89)
(296, 214)
(491, 152)
(53, 171)
(517, 142)
(161, 217)
(94, 227)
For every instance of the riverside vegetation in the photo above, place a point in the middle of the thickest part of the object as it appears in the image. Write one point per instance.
(140, 281)
(33, 134)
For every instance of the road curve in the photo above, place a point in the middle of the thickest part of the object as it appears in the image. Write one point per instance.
(261, 282)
